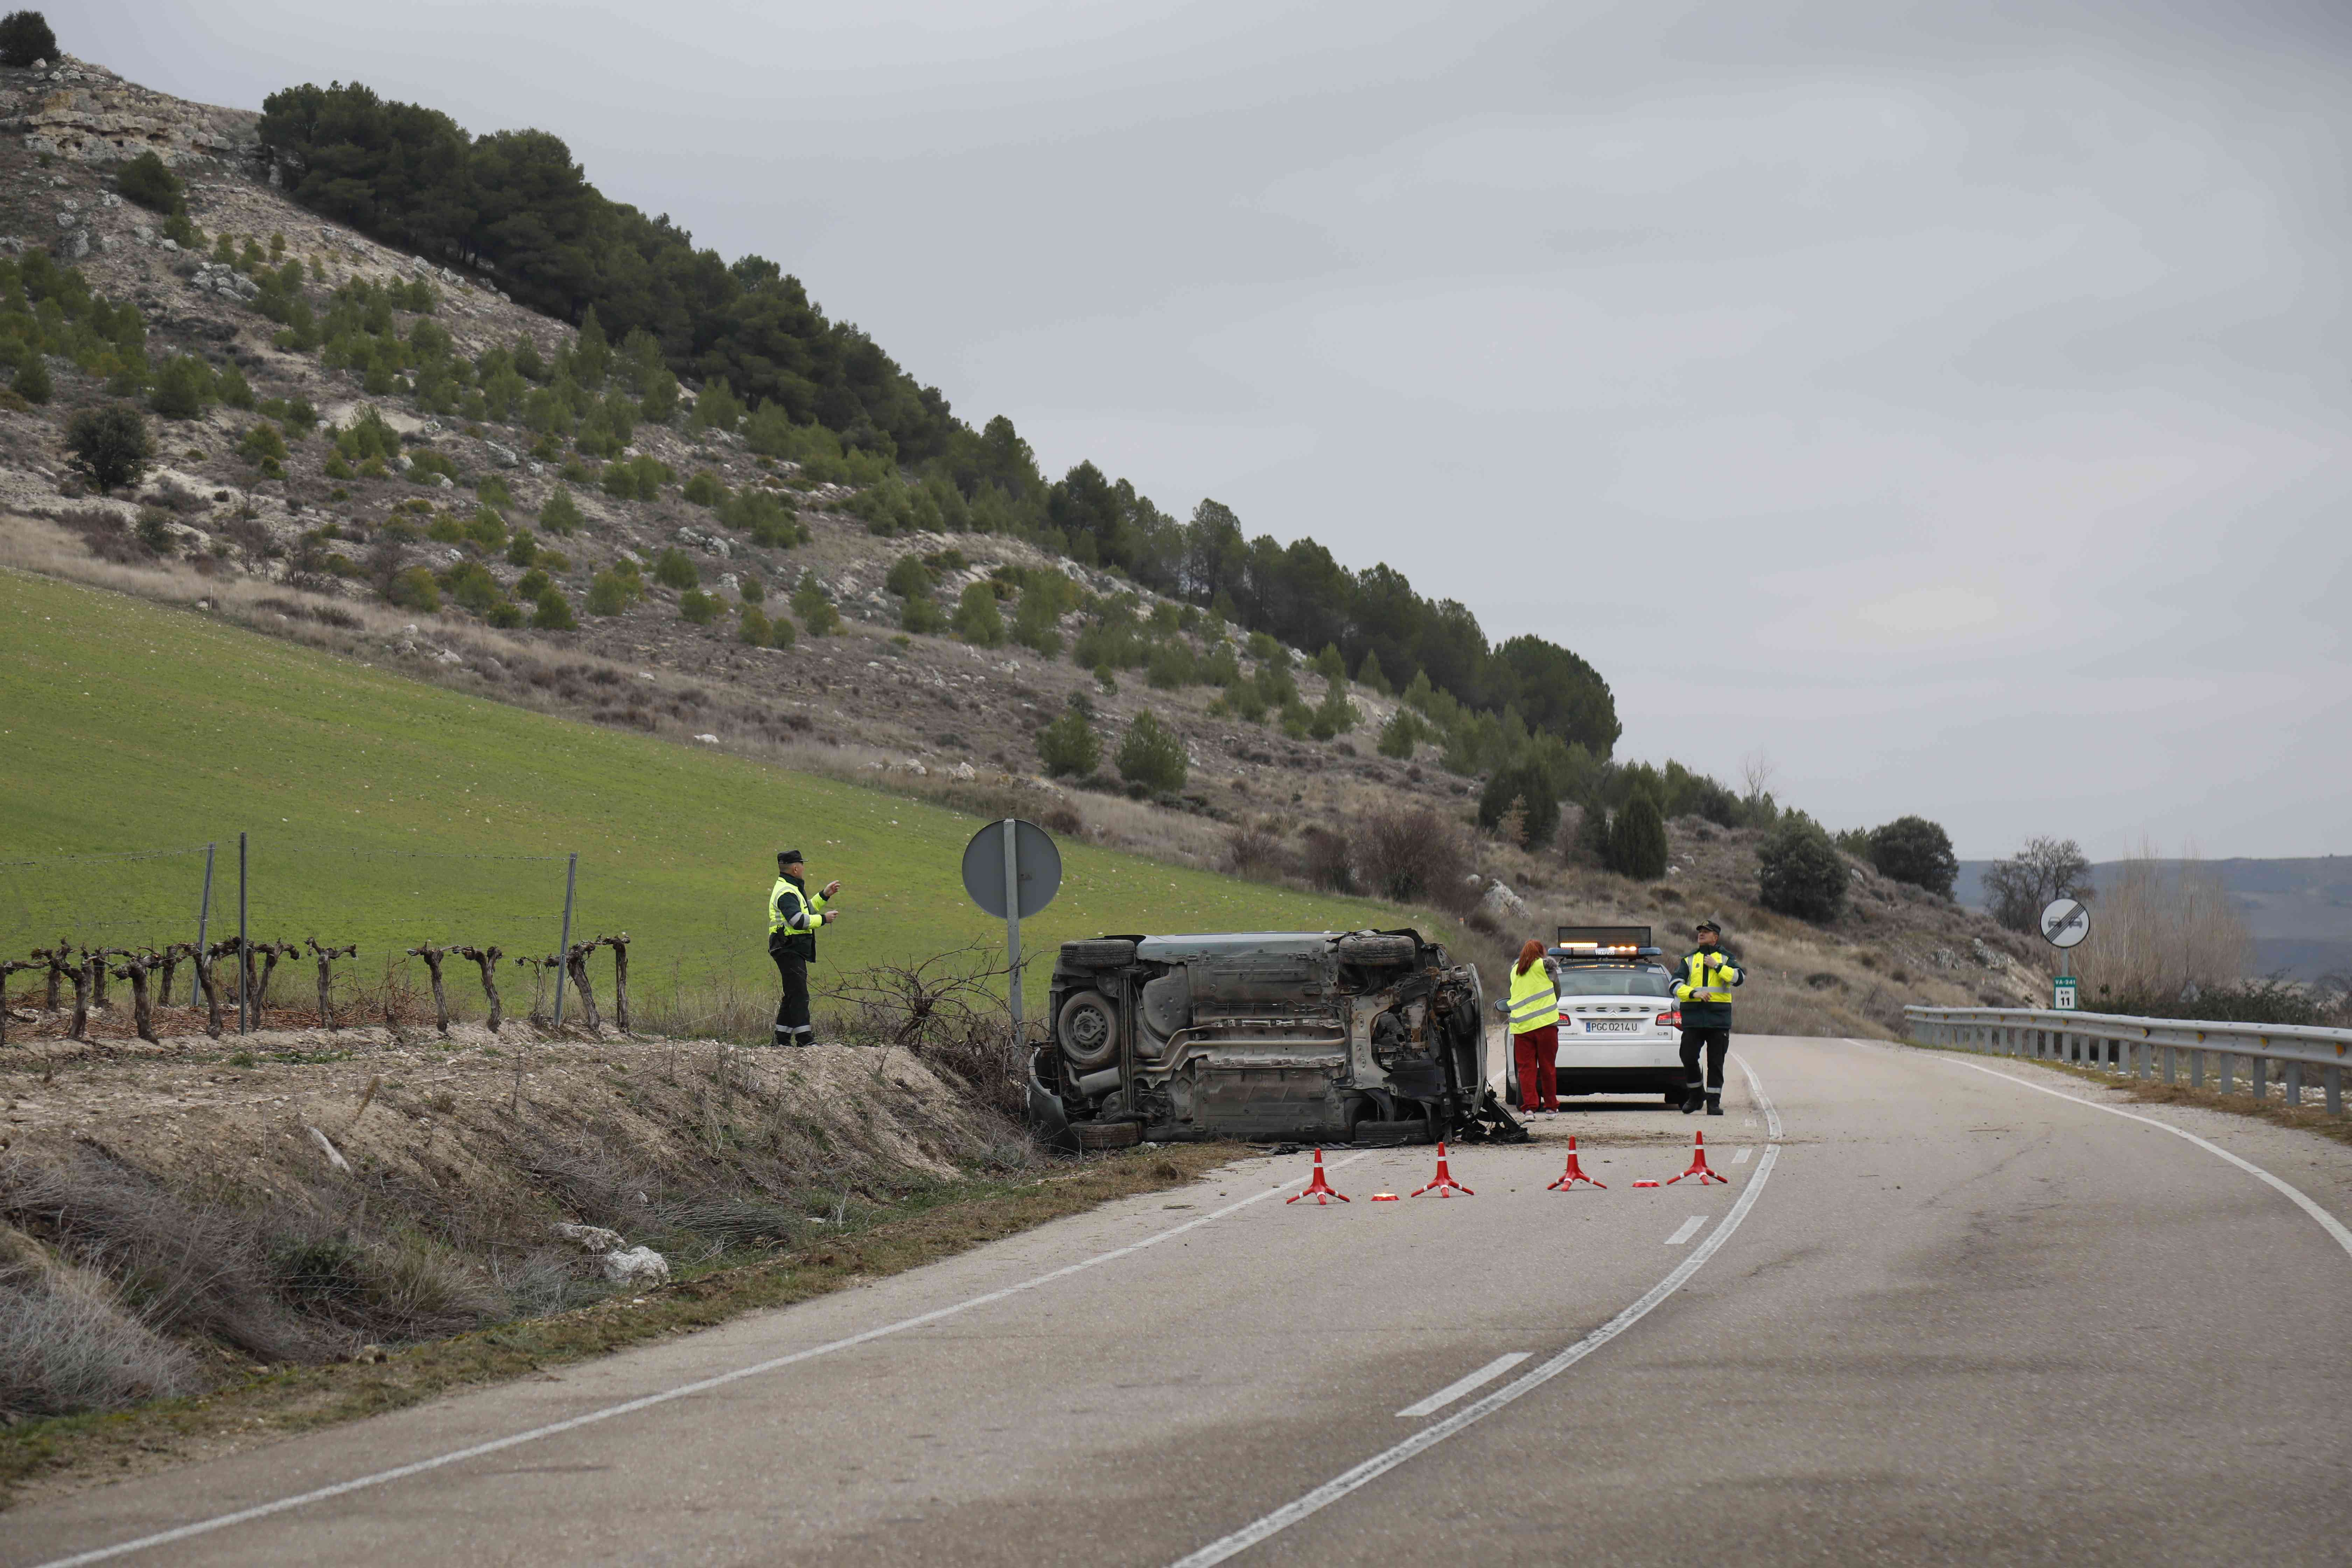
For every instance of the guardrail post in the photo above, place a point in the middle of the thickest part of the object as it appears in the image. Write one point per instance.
(2196, 1069)
(2172, 1065)
(2141, 1051)
(2331, 1083)
(2291, 1083)
(2225, 1072)
(2258, 1078)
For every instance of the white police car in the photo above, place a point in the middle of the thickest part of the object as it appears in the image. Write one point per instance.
(1620, 1026)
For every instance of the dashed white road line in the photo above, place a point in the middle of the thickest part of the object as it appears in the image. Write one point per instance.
(1462, 1385)
(1739, 1156)
(1687, 1229)
(1436, 1432)
(646, 1402)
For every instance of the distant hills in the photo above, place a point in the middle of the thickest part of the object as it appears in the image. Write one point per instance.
(2300, 910)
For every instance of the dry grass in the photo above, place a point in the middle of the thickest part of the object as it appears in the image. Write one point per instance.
(45, 1458)
(67, 1345)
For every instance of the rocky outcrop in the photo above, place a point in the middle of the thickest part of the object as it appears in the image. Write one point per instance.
(85, 112)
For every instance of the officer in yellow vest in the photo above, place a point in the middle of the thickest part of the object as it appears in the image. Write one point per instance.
(792, 919)
(1703, 989)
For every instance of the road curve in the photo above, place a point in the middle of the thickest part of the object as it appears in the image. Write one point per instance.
(1961, 1320)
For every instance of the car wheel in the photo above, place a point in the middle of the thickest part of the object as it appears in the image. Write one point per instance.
(1087, 1027)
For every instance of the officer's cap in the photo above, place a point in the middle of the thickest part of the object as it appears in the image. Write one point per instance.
(789, 857)
(1707, 924)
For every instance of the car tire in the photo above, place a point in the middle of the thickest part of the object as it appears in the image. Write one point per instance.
(1087, 1028)
(1100, 953)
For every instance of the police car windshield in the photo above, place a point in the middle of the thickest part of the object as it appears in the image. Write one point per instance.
(1615, 983)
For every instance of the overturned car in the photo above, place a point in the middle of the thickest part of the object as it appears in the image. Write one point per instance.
(1336, 1037)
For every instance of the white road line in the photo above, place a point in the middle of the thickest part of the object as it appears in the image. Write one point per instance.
(1462, 1385)
(701, 1385)
(1687, 1229)
(1436, 1432)
(1739, 1156)
(2327, 1221)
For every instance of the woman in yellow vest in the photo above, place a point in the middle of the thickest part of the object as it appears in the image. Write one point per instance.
(1535, 1030)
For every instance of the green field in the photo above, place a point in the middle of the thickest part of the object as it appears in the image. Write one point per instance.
(388, 811)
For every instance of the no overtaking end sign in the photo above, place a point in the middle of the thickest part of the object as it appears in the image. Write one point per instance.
(2065, 922)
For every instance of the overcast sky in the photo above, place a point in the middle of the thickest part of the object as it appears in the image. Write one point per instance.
(1947, 400)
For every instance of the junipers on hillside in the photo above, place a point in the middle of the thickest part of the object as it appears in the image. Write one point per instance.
(517, 202)
(108, 445)
(24, 36)
(1800, 871)
(1915, 850)
(821, 394)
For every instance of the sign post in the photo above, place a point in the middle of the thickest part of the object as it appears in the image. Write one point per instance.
(1012, 868)
(2064, 924)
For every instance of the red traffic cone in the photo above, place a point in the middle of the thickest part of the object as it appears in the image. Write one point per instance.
(1573, 1175)
(1444, 1180)
(1321, 1191)
(1698, 1165)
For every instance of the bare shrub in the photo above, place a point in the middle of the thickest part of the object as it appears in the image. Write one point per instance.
(1414, 854)
(66, 1347)
(1255, 850)
(945, 1010)
(1327, 860)
(2159, 931)
(104, 534)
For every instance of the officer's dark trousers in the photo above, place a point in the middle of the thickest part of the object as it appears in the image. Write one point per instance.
(792, 1012)
(1715, 1042)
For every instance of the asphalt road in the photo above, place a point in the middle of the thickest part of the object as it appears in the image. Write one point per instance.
(1940, 1316)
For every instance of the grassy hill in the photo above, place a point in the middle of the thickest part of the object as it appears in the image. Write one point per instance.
(386, 811)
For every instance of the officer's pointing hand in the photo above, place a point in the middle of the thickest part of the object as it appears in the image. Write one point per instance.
(831, 889)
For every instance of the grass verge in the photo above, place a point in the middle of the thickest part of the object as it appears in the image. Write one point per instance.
(45, 1458)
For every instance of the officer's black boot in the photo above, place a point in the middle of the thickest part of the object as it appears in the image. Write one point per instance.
(1714, 1104)
(1693, 1097)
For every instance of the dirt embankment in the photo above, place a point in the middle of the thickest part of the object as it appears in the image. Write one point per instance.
(176, 1219)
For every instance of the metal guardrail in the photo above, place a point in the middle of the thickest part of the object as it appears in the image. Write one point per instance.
(2172, 1049)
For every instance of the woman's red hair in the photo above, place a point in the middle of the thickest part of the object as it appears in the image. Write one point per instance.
(1531, 951)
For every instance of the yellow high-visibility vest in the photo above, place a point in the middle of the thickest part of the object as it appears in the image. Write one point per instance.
(1707, 983)
(1534, 1003)
(797, 912)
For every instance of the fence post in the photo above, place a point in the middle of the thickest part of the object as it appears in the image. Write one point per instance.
(244, 992)
(563, 948)
(203, 914)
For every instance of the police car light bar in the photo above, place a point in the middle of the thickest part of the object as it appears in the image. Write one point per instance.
(1611, 940)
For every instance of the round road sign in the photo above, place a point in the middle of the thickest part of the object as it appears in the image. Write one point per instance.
(2065, 922)
(1038, 866)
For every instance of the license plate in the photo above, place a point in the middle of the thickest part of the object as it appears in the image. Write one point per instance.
(1610, 1026)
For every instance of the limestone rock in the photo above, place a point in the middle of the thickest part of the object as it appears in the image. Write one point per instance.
(637, 1266)
(1501, 905)
(593, 1237)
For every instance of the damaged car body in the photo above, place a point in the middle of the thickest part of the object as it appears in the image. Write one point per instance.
(1371, 1037)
